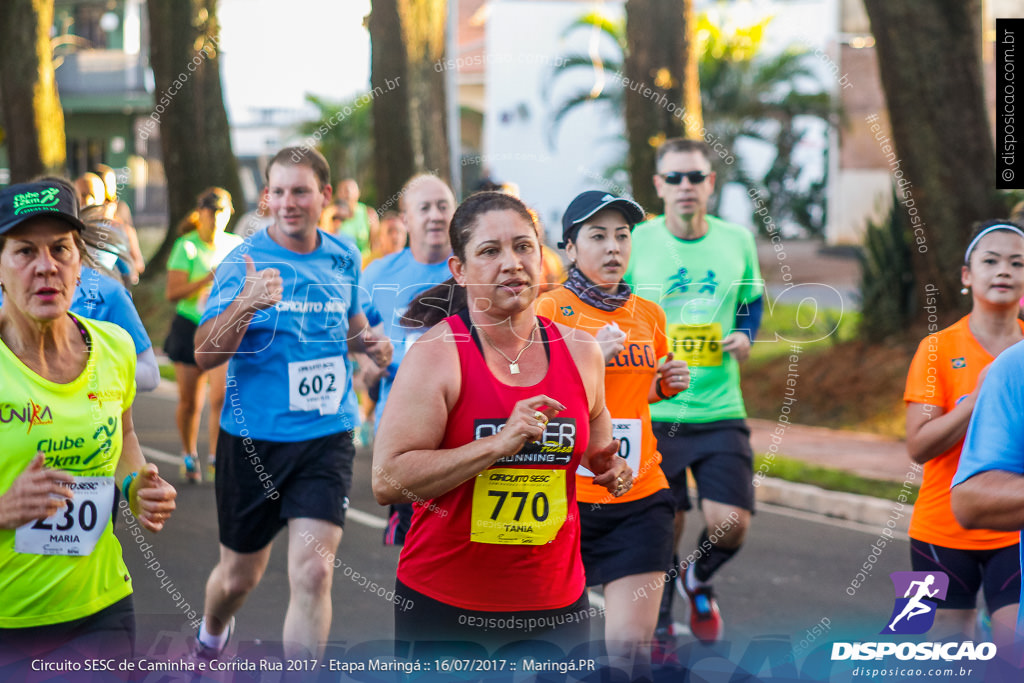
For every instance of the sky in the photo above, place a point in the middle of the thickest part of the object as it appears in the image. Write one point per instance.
(275, 52)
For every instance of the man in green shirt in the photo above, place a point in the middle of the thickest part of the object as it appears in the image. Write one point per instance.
(362, 223)
(703, 271)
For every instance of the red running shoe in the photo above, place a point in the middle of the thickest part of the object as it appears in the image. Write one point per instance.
(705, 619)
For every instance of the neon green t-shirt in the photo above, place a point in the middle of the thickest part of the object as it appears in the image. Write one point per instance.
(699, 283)
(197, 258)
(358, 228)
(78, 426)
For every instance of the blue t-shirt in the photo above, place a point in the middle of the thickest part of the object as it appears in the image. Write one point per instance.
(101, 297)
(290, 379)
(995, 436)
(392, 282)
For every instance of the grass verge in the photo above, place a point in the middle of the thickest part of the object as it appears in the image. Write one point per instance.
(831, 479)
(840, 381)
(167, 372)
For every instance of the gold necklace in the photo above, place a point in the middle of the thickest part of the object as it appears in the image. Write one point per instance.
(513, 365)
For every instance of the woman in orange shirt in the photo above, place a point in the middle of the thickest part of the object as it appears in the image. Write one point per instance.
(942, 385)
(626, 541)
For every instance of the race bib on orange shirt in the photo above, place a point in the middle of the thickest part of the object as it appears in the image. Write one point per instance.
(629, 433)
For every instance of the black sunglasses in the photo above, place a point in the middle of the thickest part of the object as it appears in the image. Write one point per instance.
(676, 177)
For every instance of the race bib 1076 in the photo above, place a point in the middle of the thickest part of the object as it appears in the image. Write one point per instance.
(698, 345)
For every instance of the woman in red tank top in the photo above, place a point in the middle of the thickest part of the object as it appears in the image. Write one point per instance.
(491, 413)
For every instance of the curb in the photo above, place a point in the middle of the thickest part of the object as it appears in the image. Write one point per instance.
(848, 506)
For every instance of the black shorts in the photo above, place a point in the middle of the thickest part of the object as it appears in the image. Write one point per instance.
(422, 619)
(718, 454)
(262, 484)
(180, 345)
(623, 539)
(995, 571)
(107, 634)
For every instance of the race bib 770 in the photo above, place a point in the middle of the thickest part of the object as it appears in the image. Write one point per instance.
(518, 506)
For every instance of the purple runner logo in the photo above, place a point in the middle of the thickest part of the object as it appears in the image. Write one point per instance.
(912, 612)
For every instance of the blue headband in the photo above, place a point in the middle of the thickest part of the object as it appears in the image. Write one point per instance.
(991, 228)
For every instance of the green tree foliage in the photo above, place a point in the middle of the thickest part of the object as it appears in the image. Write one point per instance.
(743, 95)
(343, 133)
(887, 282)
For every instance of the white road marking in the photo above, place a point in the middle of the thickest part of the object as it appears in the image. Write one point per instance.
(831, 521)
(365, 518)
(154, 454)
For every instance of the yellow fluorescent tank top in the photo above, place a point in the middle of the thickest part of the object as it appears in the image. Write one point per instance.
(68, 566)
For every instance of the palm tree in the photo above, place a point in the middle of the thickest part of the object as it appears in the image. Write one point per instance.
(604, 92)
(743, 95)
(343, 133)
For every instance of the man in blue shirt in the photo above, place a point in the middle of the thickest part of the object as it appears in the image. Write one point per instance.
(988, 488)
(427, 205)
(284, 312)
(102, 297)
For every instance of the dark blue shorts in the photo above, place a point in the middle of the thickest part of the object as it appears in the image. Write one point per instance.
(623, 539)
(996, 572)
(262, 484)
(717, 453)
(420, 619)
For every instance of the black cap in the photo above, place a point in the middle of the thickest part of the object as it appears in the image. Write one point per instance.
(25, 201)
(590, 202)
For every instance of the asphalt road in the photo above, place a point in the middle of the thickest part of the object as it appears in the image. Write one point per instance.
(787, 591)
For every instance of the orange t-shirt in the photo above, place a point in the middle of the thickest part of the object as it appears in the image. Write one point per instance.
(945, 369)
(628, 378)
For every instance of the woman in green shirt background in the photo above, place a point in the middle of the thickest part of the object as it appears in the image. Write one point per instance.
(190, 272)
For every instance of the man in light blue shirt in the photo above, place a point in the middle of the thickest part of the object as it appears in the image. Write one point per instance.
(988, 488)
(284, 312)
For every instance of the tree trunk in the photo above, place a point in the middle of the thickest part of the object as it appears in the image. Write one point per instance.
(694, 123)
(33, 119)
(194, 132)
(929, 57)
(660, 71)
(393, 153)
(423, 30)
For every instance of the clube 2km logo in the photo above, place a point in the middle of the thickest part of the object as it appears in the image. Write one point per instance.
(917, 596)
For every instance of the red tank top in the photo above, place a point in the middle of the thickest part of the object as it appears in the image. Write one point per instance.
(509, 538)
